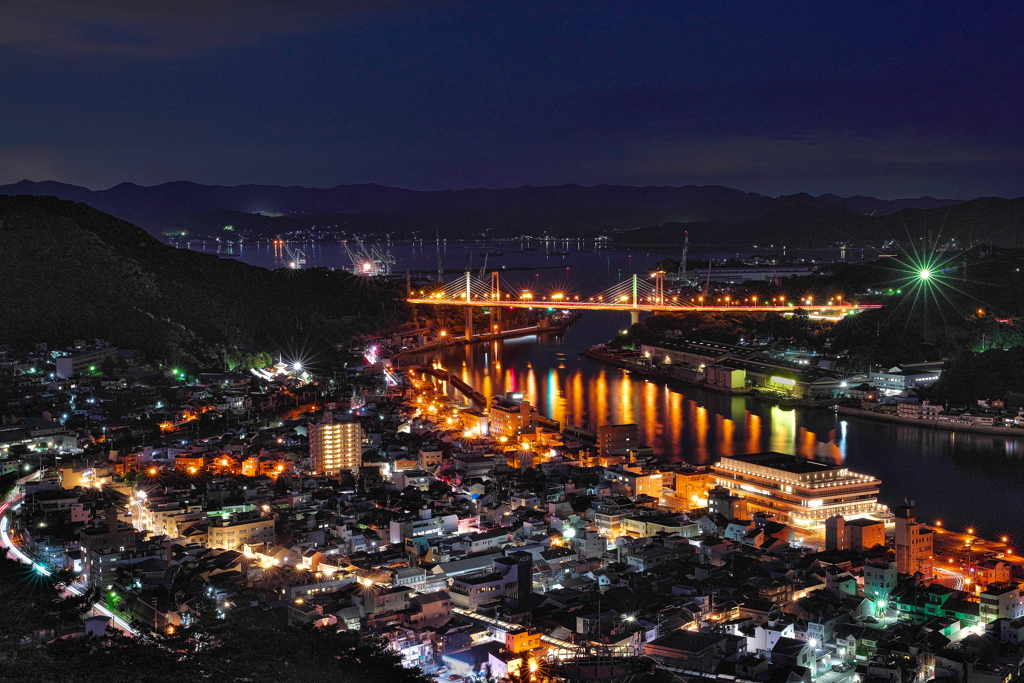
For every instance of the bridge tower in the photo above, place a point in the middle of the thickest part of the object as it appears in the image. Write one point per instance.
(659, 287)
(495, 296)
(634, 315)
(469, 309)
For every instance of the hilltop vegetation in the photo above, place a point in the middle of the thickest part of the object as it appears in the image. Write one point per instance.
(70, 271)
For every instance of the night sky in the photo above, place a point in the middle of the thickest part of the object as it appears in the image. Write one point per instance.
(890, 99)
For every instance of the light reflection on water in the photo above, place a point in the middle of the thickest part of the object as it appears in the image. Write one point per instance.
(678, 422)
(962, 478)
(957, 477)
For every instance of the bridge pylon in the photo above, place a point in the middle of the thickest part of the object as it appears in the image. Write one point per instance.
(634, 313)
(469, 311)
(496, 296)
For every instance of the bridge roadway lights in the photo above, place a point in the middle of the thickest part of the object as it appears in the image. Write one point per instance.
(596, 306)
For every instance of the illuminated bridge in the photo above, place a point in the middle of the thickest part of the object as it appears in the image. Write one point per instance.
(633, 295)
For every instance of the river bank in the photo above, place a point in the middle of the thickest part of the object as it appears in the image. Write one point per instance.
(694, 379)
(929, 424)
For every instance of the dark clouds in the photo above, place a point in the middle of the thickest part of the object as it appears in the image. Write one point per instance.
(881, 98)
(169, 28)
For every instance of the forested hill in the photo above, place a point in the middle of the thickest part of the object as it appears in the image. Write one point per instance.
(69, 271)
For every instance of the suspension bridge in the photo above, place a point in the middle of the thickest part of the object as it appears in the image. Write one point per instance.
(634, 296)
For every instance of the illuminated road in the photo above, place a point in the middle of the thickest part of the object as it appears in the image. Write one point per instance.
(17, 553)
(950, 578)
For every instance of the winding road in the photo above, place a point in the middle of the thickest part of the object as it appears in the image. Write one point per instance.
(77, 589)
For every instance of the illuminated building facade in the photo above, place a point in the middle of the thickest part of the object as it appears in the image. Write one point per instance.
(857, 534)
(336, 445)
(236, 531)
(636, 481)
(692, 354)
(801, 492)
(914, 543)
(691, 486)
(511, 416)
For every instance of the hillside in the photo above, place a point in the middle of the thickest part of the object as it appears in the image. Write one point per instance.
(70, 271)
(565, 210)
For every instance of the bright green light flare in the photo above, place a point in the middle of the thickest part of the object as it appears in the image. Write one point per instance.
(924, 273)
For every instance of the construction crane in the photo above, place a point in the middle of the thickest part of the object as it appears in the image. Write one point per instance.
(296, 259)
(369, 260)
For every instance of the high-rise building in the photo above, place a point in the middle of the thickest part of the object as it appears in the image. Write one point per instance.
(618, 439)
(914, 543)
(336, 445)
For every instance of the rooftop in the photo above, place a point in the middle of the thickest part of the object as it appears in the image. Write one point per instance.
(781, 461)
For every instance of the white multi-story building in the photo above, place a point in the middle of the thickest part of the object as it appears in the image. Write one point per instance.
(802, 492)
(914, 543)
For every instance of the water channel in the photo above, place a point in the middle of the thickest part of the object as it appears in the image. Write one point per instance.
(962, 478)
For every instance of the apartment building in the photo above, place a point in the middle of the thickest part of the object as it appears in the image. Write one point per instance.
(238, 530)
(618, 439)
(336, 445)
(511, 416)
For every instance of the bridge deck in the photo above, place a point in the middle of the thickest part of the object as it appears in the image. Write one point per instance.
(661, 308)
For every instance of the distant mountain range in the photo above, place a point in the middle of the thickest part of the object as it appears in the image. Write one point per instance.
(985, 220)
(709, 202)
(566, 210)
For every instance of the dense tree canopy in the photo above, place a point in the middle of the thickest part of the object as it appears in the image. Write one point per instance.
(69, 271)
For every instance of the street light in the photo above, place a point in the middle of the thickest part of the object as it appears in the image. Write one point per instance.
(924, 273)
